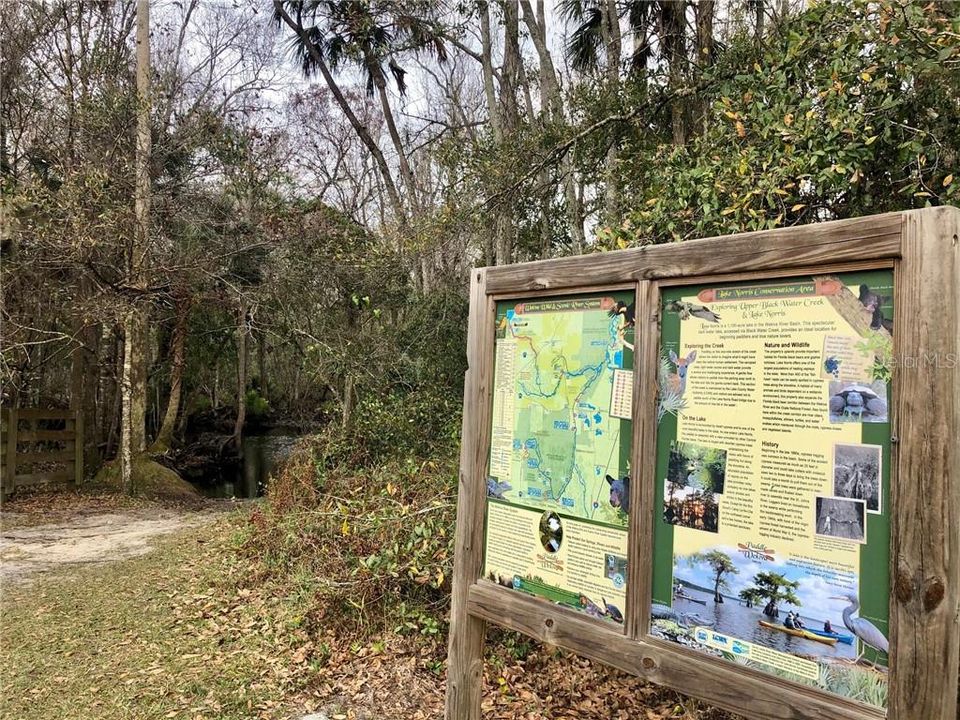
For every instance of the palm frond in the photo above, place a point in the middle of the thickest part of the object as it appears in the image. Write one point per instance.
(571, 10)
(336, 51)
(584, 45)
(398, 74)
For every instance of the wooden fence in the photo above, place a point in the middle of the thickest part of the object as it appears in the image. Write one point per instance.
(40, 446)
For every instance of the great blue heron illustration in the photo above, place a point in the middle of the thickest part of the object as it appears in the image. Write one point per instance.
(868, 633)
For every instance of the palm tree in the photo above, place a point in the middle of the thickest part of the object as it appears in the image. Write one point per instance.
(371, 35)
(598, 27)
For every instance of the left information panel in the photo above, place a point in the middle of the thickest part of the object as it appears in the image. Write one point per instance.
(559, 479)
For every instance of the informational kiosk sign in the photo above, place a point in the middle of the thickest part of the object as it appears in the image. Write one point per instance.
(730, 466)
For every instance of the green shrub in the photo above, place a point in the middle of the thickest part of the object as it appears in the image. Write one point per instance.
(257, 404)
(371, 547)
(420, 423)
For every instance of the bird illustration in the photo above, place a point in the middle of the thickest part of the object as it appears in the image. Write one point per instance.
(628, 312)
(685, 310)
(872, 302)
(868, 633)
(496, 488)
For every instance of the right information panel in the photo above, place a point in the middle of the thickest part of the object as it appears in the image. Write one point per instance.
(771, 542)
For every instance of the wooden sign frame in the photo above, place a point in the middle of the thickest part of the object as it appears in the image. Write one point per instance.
(923, 250)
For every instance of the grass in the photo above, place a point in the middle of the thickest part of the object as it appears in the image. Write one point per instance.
(214, 624)
(172, 634)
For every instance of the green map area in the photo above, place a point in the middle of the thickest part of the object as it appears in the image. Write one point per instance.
(560, 365)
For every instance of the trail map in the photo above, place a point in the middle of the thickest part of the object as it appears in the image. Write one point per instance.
(554, 441)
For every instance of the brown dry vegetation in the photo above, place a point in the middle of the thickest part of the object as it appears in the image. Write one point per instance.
(196, 629)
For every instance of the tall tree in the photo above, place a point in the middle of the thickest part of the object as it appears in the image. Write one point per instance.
(721, 565)
(553, 113)
(313, 48)
(133, 384)
(673, 40)
(775, 588)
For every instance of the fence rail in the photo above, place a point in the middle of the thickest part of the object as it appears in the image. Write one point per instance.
(40, 446)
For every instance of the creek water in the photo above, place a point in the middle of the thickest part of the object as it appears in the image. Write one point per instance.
(248, 478)
(732, 618)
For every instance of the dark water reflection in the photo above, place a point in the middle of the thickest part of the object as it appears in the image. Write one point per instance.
(741, 622)
(262, 454)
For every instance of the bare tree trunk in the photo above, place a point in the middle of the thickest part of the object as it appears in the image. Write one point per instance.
(509, 113)
(550, 91)
(673, 19)
(241, 375)
(126, 441)
(136, 344)
(262, 365)
(610, 27)
(84, 381)
(705, 11)
(177, 356)
(133, 385)
(405, 171)
(486, 59)
(117, 414)
(492, 236)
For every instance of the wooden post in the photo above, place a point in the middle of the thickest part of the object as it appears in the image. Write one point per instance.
(465, 651)
(78, 446)
(11, 468)
(925, 524)
(644, 446)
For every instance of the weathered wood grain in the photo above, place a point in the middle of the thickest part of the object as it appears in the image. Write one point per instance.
(564, 292)
(719, 682)
(10, 464)
(465, 650)
(40, 478)
(45, 414)
(642, 457)
(761, 275)
(58, 456)
(859, 239)
(925, 490)
(30, 436)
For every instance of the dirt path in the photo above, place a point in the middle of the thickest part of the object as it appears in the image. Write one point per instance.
(88, 538)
